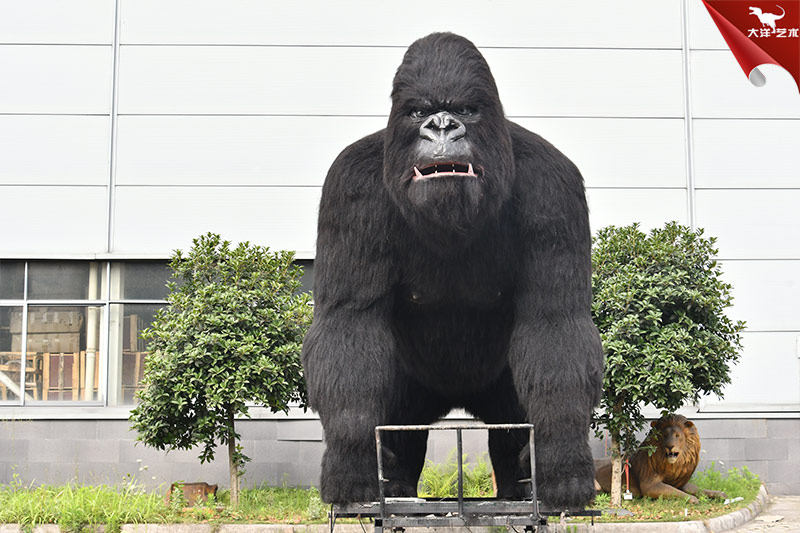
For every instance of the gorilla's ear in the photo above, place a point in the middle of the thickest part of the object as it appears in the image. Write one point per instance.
(654, 423)
(689, 424)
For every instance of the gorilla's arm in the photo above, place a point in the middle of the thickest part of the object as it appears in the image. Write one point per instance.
(348, 353)
(555, 353)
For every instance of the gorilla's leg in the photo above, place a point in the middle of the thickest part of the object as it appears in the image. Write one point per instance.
(349, 386)
(404, 451)
(499, 405)
(558, 371)
(349, 465)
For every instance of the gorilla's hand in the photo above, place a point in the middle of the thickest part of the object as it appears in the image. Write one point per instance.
(564, 474)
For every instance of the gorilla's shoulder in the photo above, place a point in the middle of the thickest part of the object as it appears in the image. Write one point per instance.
(540, 164)
(359, 167)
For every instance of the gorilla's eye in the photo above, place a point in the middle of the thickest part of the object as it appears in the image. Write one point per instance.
(418, 113)
(465, 111)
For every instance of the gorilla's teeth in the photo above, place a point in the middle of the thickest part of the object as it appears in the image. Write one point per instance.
(470, 171)
(417, 173)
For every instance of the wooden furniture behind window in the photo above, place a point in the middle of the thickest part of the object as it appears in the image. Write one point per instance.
(50, 376)
(10, 366)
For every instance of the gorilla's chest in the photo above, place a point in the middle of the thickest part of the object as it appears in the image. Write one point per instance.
(481, 276)
(478, 283)
(453, 323)
(424, 296)
(453, 320)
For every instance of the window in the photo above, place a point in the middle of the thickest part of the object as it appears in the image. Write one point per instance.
(10, 359)
(79, 324)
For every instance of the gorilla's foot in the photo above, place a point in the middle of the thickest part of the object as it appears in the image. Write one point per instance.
(566, 493)
(519, 490)
(400, 489)
(345, 480)
(349, 494)
(565, 475)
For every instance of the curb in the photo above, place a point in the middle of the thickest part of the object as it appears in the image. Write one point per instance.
(742, 516)
(712, 525)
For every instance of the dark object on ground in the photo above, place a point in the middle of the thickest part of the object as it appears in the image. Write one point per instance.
(453, 269)
(665, 472)
(197, 491)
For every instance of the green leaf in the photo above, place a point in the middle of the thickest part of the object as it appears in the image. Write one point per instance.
(660, 305)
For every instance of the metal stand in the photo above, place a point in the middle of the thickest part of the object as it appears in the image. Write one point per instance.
(399, 513)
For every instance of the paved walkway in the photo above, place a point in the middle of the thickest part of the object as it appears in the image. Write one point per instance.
(781, 514)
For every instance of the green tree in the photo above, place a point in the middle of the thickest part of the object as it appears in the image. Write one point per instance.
(659, 303)
(231, 333)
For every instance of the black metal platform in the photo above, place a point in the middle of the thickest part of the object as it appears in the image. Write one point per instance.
(431, 512)
(399, 513)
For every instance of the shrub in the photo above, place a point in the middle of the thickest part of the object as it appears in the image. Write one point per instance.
(659, 302)
(230, 334)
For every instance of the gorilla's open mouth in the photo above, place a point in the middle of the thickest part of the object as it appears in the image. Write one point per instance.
(444, 169)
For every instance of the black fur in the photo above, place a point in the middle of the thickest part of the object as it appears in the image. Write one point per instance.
(455, 291)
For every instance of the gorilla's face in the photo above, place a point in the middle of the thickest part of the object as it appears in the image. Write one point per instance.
(448, 159)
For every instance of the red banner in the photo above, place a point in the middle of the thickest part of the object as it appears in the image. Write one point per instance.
(760, 33)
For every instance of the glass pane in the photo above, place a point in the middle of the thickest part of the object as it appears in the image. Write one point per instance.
(308, 274)
(10, 352)
(65, 280)
(128, 350)
(12, 280)
(64, 342)
(140, 280)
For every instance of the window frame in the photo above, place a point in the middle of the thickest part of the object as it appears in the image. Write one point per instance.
(104, 302)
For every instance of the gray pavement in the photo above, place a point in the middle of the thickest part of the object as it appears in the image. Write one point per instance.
(781, 514)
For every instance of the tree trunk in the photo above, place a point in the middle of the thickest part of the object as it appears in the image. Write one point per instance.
(616, 474)
(232, 466)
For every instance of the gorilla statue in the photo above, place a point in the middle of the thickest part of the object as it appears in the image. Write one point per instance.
(453, 269)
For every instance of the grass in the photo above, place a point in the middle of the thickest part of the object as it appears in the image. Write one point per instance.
(75, 507)
(735, 483)
(439, 480)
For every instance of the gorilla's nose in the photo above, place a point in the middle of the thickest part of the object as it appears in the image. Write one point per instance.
(442, 127)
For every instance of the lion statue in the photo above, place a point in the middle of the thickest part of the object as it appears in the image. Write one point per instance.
(666, 471)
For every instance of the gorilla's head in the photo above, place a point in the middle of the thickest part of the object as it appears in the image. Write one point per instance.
(448, 159)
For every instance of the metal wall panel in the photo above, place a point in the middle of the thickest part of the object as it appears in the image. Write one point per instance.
(765, 293)
(160, 219)
(57, 150)
(56, 21)
(276, 150)
(53, 220)
(703, 33)
(752, 224)
(650, 207)
(234, 150)
(569, 23)
(720, 89)
(55, 79)
(615, 152)
(757, 154)
(310, 81)
(768, 372)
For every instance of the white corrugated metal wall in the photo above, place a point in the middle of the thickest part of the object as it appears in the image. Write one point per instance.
(128, 128)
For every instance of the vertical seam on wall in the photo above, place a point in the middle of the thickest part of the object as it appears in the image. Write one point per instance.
(112, 172)
(687, 116)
